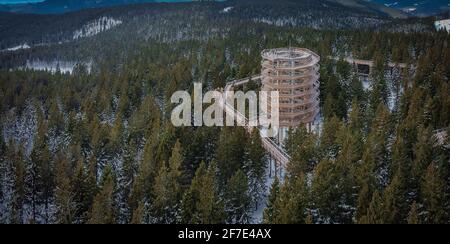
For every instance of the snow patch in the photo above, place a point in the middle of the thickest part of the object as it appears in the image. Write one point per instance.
(258, 214)
(20, 47)
(21, 129)
(442, 25)
(55, 66)
(391, 4)
(227, 10)
(409, 10)
(95, 27)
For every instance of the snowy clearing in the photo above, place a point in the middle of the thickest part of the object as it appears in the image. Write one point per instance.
(20, 47)
(95, 27)
(227, 10)
(442, 25)
(54, 66)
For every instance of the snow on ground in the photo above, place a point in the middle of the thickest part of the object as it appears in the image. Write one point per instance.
(257, 217)
(318, 125)
(442, 25)
(20, 47)
(95, 27)
(409, 10)
(22, 128)
(227, 10)
(367, 84)
(391, 4)
(54, 66)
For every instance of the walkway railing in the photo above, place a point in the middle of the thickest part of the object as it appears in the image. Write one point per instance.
(271, 147)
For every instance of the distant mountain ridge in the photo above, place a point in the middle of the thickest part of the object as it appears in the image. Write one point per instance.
(393, 8)
(370, 6)
(62, 6)
(417, 7)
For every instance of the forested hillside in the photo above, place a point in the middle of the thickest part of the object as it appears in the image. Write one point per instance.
(96, 145)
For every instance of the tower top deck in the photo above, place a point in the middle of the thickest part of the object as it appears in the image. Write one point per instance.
(288, 54)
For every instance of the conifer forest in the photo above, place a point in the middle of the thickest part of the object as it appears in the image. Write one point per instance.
(85, 116)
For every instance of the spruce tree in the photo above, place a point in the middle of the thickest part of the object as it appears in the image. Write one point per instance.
(104, 207)
(84, 187)
(19, 190)
(167, 189)
(237, 199)
(302, 146)
(345, 169)
(395, 200)
(65, 206)
(329, 146)
(434, 196)
(423, 155)
(3, 170)
(210, 206)
(292, 202)
(413, 216)
(375, 212)
(56, 120)
(355, 118)
(40, 175)
(138, 214)
(230, 153)
(333, 191)
(201, 203)
(143, 182)
(271, 211)
(191, 197)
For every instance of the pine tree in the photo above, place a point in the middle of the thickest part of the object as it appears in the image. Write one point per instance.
(328, 107)
(63, 192)
(309, 219)
(345, 169)
(423, 155)
(357, 89)
(104, 205)
(19, 190)
(138, 214)
(56, 120)
(355, 118)
(201, 203)
(271, 212)
(434, 196)
(237, 203)
(167, 189)
(211, 207)
(148, 168)
(377, 144)
(84, 187)
(3, 166)
(302, 146)
(40, 175)
(329, 146)
(230, 153)
(292, 202)
(125, 181)
(116, 136)
(333, 191)
(413, 216)
(375, 212)
(192, 196)
(395, 201)
(380, 91)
